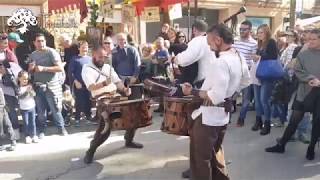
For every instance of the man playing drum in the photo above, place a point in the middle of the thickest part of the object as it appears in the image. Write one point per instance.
(101, 78)
(228, 73)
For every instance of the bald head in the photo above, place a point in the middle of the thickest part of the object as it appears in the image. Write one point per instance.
(122, 40)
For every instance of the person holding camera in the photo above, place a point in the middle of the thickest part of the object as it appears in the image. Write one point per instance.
(9, 71)
(46, 68)
(5, 125)
(5, 52)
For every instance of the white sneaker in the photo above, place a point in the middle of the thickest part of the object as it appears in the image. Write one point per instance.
(28, 140)
(41, 135)
(35, 139)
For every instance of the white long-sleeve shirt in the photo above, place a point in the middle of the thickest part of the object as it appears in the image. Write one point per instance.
(198, 50)
(227, 74)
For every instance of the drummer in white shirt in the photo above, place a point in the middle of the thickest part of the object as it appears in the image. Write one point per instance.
(101, 78)
(198, 51)
(228, 73)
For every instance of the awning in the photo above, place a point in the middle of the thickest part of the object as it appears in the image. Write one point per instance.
(308, 21)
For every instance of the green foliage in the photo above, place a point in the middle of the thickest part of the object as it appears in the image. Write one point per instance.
(94, 13)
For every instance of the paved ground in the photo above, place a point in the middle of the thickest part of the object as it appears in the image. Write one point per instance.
(164, 157)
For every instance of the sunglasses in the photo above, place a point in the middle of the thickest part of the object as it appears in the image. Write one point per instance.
(106, 42)
(181, 36)
(244, 29)
(3, 37)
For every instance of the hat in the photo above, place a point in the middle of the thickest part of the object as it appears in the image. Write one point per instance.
(15, 37)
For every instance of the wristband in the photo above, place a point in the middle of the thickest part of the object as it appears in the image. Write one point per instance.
(195, 92)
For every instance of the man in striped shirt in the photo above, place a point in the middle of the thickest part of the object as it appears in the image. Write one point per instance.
(247, 46)
(46, 69)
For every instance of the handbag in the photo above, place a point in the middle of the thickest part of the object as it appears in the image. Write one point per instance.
(270, 70)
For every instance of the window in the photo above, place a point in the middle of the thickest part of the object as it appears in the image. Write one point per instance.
(3, 23)
(257, 21)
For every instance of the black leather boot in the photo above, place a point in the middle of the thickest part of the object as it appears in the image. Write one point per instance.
(310, 153)
(266, 128)
(186, 174)
(278, 148)
(88, 158)
(258, 124)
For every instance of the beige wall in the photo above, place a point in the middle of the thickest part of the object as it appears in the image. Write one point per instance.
(277, 11)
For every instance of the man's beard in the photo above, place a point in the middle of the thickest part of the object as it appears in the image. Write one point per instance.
(98, 64)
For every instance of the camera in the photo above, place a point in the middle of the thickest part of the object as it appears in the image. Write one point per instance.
(8, 78)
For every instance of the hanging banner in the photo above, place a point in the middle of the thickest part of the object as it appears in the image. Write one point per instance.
(175, 11)
(151, 14)
(128, 13)
(107, 8)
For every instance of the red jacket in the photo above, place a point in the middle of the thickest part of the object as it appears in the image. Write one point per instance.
(11, 56)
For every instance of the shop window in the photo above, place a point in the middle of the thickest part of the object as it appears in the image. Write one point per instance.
(257, 21)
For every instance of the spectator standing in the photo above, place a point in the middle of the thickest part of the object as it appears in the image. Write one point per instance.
(146, 62)
(27, 107)
(14, 41)
(292, 41)
(267, 50)
(164, 31)
(82, 95)
(5, 52)
(108, 47)
(5, 124)
(70, 50)
(160, 57)
(179, 44)
(308, 95)
(9, 73)
(126, 60)
(247, 46)
(46, 68)
(172, 35)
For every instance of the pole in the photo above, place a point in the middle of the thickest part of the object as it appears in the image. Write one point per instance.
(195, 9)
(292, 13)
(189, 21)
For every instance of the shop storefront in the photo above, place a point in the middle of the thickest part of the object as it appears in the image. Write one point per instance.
(7, 8)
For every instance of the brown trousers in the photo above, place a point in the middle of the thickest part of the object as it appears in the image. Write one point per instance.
(99, 137)
(206, 154)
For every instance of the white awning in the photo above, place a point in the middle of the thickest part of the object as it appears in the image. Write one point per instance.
(308, 21)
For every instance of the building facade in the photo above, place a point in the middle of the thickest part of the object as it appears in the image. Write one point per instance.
(7, 7)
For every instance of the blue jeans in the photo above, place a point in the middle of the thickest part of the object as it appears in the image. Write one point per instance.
(280, 110)
(265, 97)
(44, 98)
(12, 104)
(29, 119)
(257, 102)
(246, 97)
(82, 103)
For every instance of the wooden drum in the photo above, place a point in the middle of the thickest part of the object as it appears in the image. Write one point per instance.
(124, 115)
(177, 114)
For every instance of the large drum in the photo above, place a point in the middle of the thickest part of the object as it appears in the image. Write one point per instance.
(177, 114)
(124, 115)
